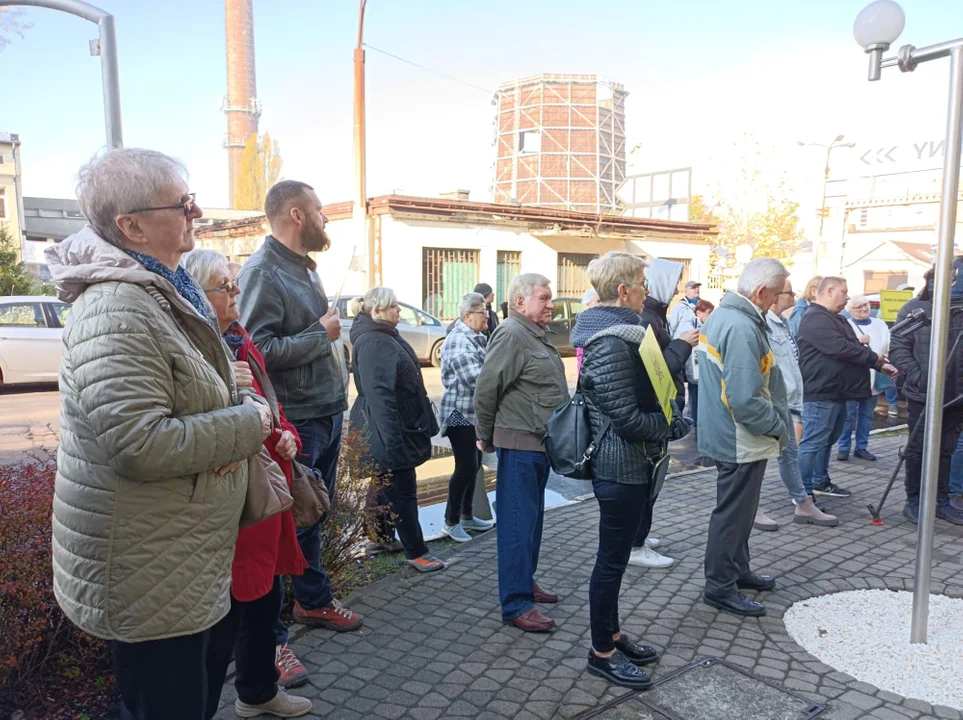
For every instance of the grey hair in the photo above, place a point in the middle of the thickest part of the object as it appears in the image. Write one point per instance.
(524, 285)
(611, 270)
(471, 302)
(121, 180)
(202, 264)
(857, 300)
(761, 272)
(378, 299)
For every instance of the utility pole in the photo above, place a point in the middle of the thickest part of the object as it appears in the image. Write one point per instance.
(837, 143)
(366, 239)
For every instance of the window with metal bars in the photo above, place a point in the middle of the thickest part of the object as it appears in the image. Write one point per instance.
(447, 275)
(509, 266)
(573, 278)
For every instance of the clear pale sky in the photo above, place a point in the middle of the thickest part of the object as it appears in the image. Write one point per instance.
(700, 72)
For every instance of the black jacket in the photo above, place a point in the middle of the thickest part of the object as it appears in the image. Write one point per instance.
(279, 308)
(392, 406)
(616, 386)
(676, 352)
(834, 363)
(911, 353)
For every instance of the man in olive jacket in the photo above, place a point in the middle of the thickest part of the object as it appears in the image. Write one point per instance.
(520, 385)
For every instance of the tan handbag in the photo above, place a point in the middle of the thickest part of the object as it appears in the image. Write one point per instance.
(311, 500)
(267, 490)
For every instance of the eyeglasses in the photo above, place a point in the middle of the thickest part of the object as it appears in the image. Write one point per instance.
(786, 292)
(187, 207)
(227, 287)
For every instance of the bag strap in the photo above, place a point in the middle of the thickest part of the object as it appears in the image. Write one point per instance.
(267, 390)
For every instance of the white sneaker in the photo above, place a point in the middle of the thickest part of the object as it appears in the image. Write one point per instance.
(652, 542)
(281, 705)
(648, 558)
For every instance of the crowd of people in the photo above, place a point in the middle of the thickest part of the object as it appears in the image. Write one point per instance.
(187, 382)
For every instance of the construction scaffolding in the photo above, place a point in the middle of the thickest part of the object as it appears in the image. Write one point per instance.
(560, 142)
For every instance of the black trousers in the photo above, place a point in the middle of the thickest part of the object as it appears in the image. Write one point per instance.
(461, 486)
(250, 633)
(645, 523)
(395, 507)
(620, 508)
(178, 677)
(952, 422)
(727, 543)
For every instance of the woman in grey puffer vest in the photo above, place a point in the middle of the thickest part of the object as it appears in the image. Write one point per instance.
(617, 389)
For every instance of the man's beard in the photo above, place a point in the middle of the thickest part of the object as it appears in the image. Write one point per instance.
(315, 240)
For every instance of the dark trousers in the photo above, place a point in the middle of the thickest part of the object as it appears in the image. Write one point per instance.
(249, 632)
(727, 544)
(645, 522)
(461, 486)
(520, 503)
(620, 509)
(395, 507)
(178, 677)
(320, 446)
(694, 404)
(950, 435)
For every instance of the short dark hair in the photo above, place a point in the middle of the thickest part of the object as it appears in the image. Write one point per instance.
(483, 289)
(280, 195)
(829, 282)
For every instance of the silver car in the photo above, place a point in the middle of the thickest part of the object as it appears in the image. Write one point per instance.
(30, 345)
(425, 333)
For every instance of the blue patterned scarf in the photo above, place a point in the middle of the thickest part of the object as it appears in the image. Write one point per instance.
(181, 280)
(234, 337)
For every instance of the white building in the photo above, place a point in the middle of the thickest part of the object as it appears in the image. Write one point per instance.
(433, 250)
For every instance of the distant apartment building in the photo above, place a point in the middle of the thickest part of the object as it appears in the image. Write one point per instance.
(11, 188)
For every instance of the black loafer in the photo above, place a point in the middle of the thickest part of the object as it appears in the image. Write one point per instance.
(762, 583)
(735, 604)
(636, 654)
(618, 671)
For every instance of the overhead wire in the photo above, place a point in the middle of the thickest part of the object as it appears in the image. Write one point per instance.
(431, 70)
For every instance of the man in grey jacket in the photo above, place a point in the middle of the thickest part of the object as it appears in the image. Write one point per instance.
(285, 311)
(518, 389)
(787, 360)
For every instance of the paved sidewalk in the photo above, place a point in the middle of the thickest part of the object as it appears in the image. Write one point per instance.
(434, 647)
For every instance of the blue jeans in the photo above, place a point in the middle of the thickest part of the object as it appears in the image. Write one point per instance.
(789, 469)
(956, 470)
(620, 510)
(823, 422)
(520, 499)
(860, 413)
(892, 396)
(320, 446)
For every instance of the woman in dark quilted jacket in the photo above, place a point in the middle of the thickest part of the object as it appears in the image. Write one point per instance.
(616, 388)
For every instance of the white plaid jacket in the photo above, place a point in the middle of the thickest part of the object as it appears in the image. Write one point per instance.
(462, 357)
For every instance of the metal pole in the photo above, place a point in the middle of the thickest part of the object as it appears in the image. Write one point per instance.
(934, 395)
(108, 57)
(822, 211)
(361, 194)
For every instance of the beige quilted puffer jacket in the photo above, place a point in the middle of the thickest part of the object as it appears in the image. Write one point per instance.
(143, 530)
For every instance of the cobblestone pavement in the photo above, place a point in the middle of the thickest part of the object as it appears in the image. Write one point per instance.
(434, 647)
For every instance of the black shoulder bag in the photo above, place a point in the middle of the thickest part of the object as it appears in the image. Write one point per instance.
(568, 438)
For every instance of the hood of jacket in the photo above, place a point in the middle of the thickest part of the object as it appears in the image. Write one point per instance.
(363, 324)
(663, 278)
(595, 321)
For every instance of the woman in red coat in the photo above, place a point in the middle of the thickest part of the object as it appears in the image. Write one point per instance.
(264, 551)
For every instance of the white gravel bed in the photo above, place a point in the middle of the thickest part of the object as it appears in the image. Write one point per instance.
(865, 633)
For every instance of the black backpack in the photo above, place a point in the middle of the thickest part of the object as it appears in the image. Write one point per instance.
(568, 438)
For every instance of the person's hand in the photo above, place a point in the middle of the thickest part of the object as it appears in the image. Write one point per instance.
(889, 370)
(287, 446)
(864, 339)
(243, 375)
(691, 337)
(225, 469)
(679, 427)
(331, 322)
(264, 412)
(484, 447)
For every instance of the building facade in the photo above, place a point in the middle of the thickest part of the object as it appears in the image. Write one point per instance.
(560, 142)
(11, 188)
(434, 250)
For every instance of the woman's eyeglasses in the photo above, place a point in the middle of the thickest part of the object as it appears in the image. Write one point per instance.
(227, 287)
(187, 207)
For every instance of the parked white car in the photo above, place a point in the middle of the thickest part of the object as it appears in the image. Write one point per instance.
(30, 346)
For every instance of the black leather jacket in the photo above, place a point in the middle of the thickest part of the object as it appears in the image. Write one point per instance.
(615, 384)
(911, 353)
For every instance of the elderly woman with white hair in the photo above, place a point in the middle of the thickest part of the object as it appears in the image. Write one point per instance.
(155, 440)
(396, 417)
(462, 357)
(859, 413)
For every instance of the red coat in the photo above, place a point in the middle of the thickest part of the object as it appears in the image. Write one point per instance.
(271, 547)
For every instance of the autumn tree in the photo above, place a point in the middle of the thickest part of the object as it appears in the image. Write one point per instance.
(260, 169)
(11, 23)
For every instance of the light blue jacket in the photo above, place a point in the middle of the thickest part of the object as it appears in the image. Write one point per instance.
(743, 415)
(787, 358)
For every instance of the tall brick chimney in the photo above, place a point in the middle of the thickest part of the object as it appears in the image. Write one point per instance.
(241, 104)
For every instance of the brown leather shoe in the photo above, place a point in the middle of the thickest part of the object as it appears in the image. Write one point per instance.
(543, 596)
(332, 617)
(533, 621)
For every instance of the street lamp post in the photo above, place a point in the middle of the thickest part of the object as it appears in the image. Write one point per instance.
(107, 49)
(836, 143)
(877, 27)
(366, 240)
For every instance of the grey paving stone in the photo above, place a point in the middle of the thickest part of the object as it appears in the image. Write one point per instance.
(861, 700)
